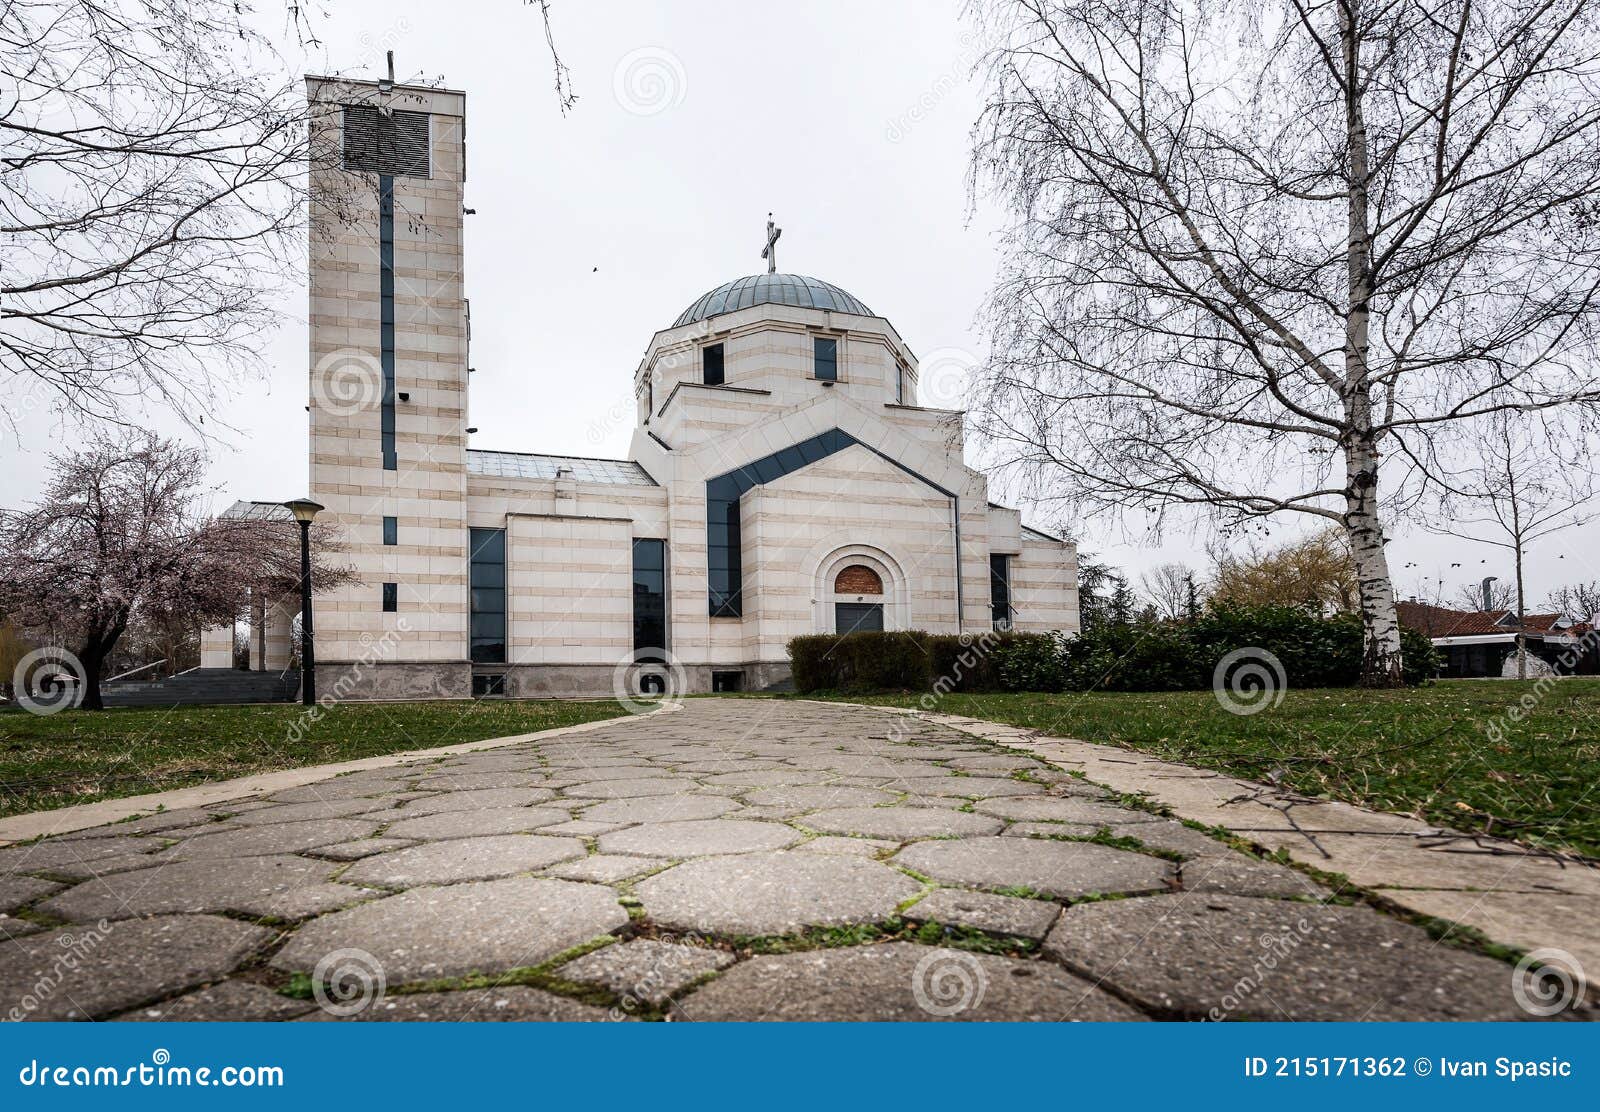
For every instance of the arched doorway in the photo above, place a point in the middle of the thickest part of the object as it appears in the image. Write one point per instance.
(858, 600)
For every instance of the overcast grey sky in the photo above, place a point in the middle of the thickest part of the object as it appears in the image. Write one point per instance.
(850, 121)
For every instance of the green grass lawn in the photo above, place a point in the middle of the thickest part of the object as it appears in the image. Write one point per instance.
(1430, 751)
(79, 756)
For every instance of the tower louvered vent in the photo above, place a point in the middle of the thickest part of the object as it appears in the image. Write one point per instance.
(396, 143)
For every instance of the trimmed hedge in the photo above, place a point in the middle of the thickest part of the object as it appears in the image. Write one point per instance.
(1151, 656)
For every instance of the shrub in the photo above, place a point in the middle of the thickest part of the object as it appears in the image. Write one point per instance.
(856, 662)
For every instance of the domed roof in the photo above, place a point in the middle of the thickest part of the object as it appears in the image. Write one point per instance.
(772, 289)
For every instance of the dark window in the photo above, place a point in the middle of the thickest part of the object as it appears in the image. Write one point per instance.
(825, 358)
(727, 681)
(391, 597)
(391, 530)
(1000, 589)
(858, 617)
(488, 685)
(711, 364)
(649, 600)
(385, 143)
(487, 580)
(899, 384)
(386, 421)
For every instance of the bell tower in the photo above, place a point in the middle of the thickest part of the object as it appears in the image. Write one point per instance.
(388, 384)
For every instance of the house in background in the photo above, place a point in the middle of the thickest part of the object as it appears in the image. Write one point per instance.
(1482, 643)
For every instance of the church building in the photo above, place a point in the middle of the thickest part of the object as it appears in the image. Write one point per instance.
(782, 478)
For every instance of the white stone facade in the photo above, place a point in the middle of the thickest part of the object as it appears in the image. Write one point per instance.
(893, 494)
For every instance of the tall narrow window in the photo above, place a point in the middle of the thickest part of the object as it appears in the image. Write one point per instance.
(391, 530)
(1000, 589)
(386, 422)
(391, 597)
(825, 358)
(899, 383)
(649, 600)
(487, 582)
(711, 365)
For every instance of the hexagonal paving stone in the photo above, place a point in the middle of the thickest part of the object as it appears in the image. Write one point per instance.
(900, 981)
(275, 838)
(810, 797)
(765, 778)
(49, 855)
(18, 890)
(984, 911)
(1174, 837)
(966, 787)
(1186, 955)
(325, 809)
(12, 927)
(1239, 875)
(356, 786)
(1067, 870)
(630, 789)
(849, 847)
(228, 1002)
(773, 893)
(674, 808)
(605, 868)
(476, 824)
(474, 781)
(512, 1004)
(362, 847)
(900, 824)
(476, 800)
(150, 824)
(698, 837)
(1075, 810)
(129, 963)
(645, 969)
(614, 772)
(257, 886)
(482, 927)
(463, 859)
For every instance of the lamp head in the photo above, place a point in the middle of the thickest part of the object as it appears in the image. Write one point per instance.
(304, 509)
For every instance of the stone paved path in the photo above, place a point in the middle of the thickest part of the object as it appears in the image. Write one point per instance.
(735, 859)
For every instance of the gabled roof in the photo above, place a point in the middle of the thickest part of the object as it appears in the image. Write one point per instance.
(530, 465)
(259, 511)
(1442, 621)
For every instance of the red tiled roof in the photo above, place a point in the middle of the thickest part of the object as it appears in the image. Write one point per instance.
(1441, 621)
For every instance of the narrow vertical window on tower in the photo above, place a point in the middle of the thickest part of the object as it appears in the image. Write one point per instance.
(391, 597)
(391, 530)
(487, 582)
(825, 358)
(711, 365)
(1000, 589)
(649, 600)
(386, 422)
(899, 383)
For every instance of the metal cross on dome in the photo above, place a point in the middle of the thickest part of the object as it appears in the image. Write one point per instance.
(770, 251)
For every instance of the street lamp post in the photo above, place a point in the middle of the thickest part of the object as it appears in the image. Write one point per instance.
(304, 510)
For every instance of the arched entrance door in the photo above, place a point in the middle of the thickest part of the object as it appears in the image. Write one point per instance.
(858, 608)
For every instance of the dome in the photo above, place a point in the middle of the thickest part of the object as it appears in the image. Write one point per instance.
(771, 289)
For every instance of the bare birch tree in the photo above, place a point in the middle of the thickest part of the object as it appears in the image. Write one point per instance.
(1169, 587)
(1267, 256)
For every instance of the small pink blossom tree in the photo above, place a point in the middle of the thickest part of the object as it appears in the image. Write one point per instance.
(120, 532)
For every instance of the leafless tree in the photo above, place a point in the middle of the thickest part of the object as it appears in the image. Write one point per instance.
(1493, 596)
(151, 199)
(1520, 488)
(1577, 600)
(1267, 256)
(1168, 588)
